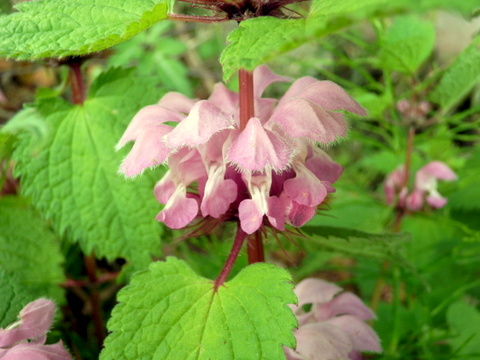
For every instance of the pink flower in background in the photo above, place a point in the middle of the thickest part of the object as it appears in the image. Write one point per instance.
(269, 173)
(425, 187)
(334, 327)
(25, 339)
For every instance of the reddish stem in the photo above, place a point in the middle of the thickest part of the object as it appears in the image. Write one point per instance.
(255, 248)
(76, 80)
(91, 266)
(247, 109)
(227, 268)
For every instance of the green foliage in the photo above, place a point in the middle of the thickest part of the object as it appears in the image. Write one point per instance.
(61, 28)
(73, 178)
(259, 40)
(463, 320)
(459, 78)
(169, 312)
(30, 256)
(407, 44)
(386, 247)
(151, 59)
(14, 297)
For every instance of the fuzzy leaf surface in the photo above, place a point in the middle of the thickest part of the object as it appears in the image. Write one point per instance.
(73, 178)
(58, 28)
(29, 249)
(14, 297)
(169, 312)
(459, 78)
(407, 44)
(259, 40)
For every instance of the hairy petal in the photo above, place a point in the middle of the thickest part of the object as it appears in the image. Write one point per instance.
(302, 118)
(256, 148)
(177, 102)
(35, 320)
(361, 335)
(204, 120)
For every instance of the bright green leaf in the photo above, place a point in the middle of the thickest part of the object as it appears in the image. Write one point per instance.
(170, 313)
(407, 43)
(14, 297)
(59, 28)
(459, 79)
(73, 179)
(29, 249)
(259, 40)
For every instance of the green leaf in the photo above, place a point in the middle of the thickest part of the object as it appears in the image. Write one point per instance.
(259, 40)
(60, 28)
(14, 297)
(169, 312)
(459, 78)
(463, 320)
(29, 249)
(73, 179)
(389, 247)
(407, 43)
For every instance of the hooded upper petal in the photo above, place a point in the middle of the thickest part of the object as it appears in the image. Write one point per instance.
(302, 118)
(204, 120)
(256, 148)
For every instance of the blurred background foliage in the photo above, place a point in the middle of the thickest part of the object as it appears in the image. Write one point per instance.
(428, 306)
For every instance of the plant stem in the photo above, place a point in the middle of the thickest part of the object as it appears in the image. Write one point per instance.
(247, 109)
(91, 266)
(77, 83)
(227, 268)
(255, 248)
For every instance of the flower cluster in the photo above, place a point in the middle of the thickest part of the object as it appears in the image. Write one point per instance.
(425, 187)
(334, 327)
(268, 173)
(25, 339)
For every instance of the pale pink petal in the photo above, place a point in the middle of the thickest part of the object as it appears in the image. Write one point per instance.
(263, 77)
(305, 188)
(302, 118)
(148, 119)
(297, 88)
(149, 150)
(361, 335)
(186, 166)
(219, 193)
(343, 304)
(250, 215)
(165, 188)
(28, 351)
(35, 320)
(177, 102)
(224, 99)
(324, 168)
(393, 184)
(323, 341)
(256, 148)
(179, 211)
(315, 291)
(300, 214)
(331, 96)
(438, 170)
(436, 200)
(204, 120)
(414, 201)
(276, 212)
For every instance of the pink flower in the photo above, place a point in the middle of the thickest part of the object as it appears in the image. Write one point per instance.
(269, 173)
(25, 339)
(334, 328)
(425, 187)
